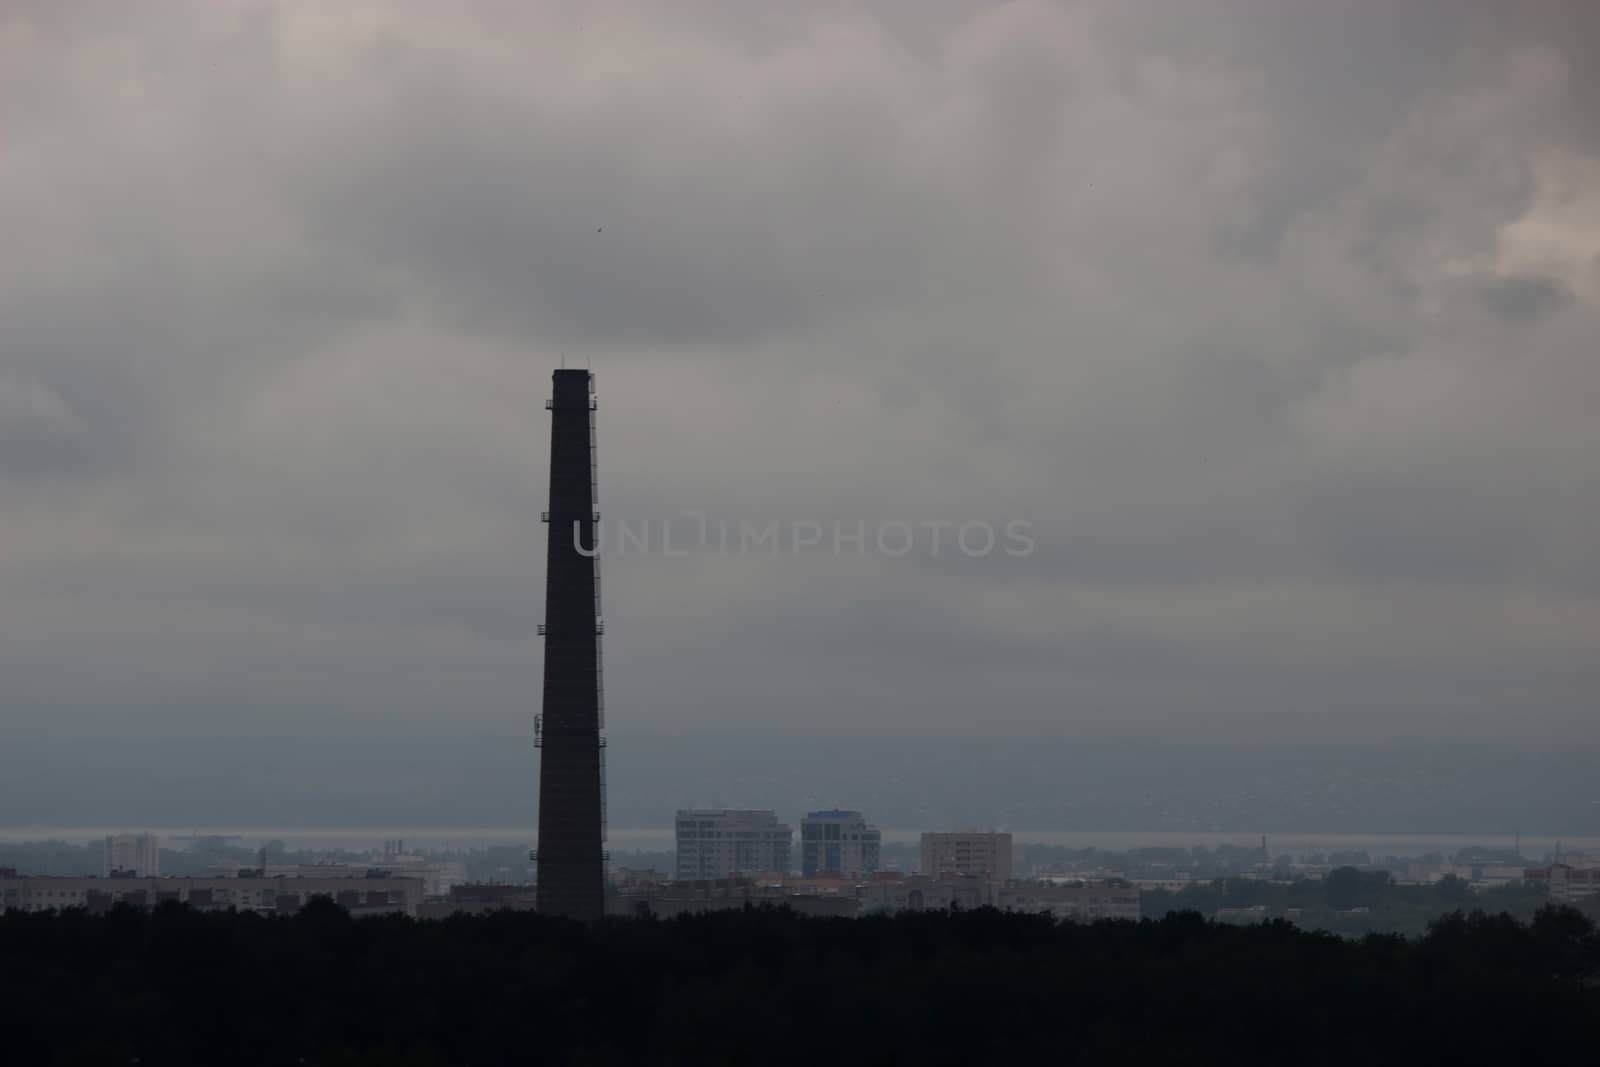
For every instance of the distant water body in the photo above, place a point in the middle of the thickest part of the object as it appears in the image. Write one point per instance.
(659, 839)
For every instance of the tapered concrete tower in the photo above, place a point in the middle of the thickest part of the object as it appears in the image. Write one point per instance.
(570, 856)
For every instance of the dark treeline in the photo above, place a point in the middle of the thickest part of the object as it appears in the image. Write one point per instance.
(1353, 902)
(183, 987)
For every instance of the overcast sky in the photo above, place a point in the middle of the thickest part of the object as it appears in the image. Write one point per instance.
(1276, 321)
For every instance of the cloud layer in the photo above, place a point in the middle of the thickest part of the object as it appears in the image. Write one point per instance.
(1277, 324)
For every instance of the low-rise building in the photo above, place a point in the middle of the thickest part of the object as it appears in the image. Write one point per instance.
(1565, 882)
(1081, 902)
(1171, 885)
(360, 896)
(921, 893)
(437, 876)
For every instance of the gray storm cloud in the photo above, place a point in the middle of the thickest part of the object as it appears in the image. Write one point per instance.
(1277, 322)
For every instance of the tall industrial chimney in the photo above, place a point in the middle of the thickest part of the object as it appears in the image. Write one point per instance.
(569, 854)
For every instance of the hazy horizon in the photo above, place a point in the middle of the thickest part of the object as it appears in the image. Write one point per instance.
(905, 784)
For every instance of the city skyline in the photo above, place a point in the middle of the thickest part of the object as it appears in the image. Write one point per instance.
(1099, 531)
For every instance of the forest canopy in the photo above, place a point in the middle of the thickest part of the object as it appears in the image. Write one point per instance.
(178, 986)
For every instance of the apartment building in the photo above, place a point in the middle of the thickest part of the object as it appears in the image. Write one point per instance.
(727, 842)
(838, 842)
(981, 855)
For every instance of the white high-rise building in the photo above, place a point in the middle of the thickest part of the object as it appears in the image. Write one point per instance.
(139, 854)
(725, 842)
(982, 855)
(838, 842)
